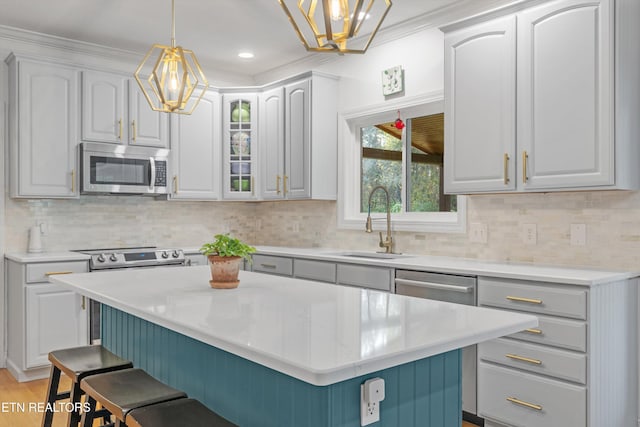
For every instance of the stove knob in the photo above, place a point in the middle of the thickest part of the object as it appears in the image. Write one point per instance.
(165, 254)
(113, 258)
(175, 254)
(101, 258)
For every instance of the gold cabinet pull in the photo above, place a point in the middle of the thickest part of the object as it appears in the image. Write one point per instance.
(525, 158)
(120, 129)
(284, 184)
(84, 304)
(133, 124)
(534, 331)
(506, 168)
(55, 273)
(175, 184)
(528, 300)
(525, 404)
(523, 359)
(73, 180)
(278, 184)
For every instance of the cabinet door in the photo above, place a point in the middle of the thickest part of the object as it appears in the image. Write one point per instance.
(56, 318)
(240, 146)
(196, 151)
(147, 127)
(47, 123)
(298, 140)
(272, 140)
(565, 91)
(104, 107)
(480, 97)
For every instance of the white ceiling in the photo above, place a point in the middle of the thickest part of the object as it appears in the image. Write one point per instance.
(216, 30)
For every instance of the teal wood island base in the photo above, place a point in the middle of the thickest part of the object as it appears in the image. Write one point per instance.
(425, 393)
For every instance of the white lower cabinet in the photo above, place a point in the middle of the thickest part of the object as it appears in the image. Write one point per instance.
(55, 318)
(358, 275)
(576, 368)
(42, 316)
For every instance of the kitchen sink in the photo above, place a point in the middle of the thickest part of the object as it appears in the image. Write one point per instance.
(372, 255)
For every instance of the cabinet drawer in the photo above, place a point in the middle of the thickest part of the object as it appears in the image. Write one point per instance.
(534, 297)
(37, 273)
(536, 358)
(554, 403)
(314, 270)
(564, 333)
(273, 265)
(364, 276)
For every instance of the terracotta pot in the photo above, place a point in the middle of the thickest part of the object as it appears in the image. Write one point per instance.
(224, 271)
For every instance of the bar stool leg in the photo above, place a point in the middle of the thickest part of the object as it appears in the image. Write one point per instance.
(74, 415)
(88, 415)
(54, 382)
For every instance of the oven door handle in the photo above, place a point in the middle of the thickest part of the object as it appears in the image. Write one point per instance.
(152, 170)
(438, 286)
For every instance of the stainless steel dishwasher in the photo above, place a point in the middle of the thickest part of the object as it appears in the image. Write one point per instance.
(449, 288)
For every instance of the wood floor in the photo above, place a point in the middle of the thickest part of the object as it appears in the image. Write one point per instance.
(14, 396)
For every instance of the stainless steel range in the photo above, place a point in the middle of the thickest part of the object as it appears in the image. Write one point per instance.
(119, 258)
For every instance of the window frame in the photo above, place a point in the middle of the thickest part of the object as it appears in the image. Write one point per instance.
(349, 169)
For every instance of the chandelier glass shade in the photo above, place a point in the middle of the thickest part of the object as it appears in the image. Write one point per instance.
(171, 77)
(342, 26)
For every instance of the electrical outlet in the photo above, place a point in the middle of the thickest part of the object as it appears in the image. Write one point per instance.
(296, 227)
(478, 232)
(369, 411)
(529, 234)
(578, 234)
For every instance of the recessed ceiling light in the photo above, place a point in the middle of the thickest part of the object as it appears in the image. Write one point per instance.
(246, 55)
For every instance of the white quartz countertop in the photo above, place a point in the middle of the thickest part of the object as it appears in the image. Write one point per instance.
(463, 266)
(318, 333)
(26, 257)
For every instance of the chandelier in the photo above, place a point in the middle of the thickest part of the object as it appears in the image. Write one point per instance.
(170, 77)
(334, 25)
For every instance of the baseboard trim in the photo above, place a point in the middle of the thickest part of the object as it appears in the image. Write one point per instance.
(29, 375)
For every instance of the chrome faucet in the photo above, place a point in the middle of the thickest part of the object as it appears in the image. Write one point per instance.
(386, 243)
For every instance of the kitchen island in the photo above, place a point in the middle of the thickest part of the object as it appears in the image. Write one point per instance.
(288, 352)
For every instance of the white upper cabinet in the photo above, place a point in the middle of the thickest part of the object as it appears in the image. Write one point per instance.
(195, 151)
(298, 134)
(565, 95)
(115, 110)
(43, 128)
(240, 146)
(480, 125)
(272, 138)
(573, 61)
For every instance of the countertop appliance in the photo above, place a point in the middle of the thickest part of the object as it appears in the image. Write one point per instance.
(449, 288)
(122, 169)
(119, 258)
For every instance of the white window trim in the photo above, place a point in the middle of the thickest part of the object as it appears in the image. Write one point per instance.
(349, 215)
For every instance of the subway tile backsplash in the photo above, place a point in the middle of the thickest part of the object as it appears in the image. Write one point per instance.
(612, 219)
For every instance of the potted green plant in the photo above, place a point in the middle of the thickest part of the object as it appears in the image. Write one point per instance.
(225, 254)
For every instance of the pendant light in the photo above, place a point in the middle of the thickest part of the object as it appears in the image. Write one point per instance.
(335, 25)
(174, 82)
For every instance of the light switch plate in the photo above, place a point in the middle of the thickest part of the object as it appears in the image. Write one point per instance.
(529, 234)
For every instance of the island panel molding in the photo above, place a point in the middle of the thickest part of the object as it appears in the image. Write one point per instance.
(423, 393)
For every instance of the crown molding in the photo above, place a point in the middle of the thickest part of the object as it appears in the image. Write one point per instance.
(87, 55)
(430, 20)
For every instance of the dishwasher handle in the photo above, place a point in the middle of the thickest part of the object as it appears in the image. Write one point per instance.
(431, 285)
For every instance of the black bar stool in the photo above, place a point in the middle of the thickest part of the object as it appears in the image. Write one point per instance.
(181, 412)
(77, 363)
(123, 391)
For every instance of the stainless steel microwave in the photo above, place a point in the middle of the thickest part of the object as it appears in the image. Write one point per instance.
(122, 169)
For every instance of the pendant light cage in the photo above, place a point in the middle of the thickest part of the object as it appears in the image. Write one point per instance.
(339, 26)
(171, 77)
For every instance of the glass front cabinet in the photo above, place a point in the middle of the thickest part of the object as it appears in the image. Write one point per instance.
(240, 145)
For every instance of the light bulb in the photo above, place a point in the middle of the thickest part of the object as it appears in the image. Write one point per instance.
(337, 11)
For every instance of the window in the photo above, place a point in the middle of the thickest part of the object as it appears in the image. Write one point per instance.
(408, 163)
